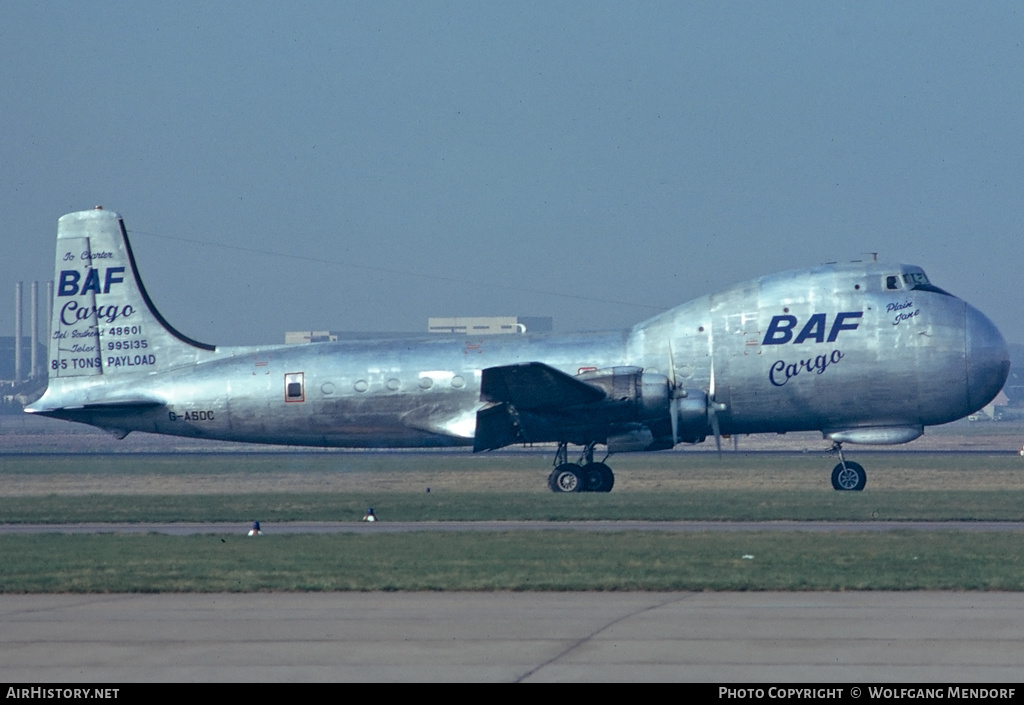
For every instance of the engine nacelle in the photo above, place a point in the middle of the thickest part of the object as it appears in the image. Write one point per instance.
(644, 396)
(639, 405)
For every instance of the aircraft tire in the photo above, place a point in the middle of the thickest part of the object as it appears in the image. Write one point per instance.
(852, 478)
(599, 477)
(567, 477)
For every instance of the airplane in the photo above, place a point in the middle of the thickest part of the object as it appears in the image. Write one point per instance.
(864, 352)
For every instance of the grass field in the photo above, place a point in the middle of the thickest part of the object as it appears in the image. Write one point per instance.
(724, 505)
(513, 561)
(463, 487)
(340, 486)
(199, 473)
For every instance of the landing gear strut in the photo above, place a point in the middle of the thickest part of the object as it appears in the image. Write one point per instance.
(582, 476)
(847, 476)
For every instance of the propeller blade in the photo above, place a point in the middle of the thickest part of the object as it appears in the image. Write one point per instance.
(711, 384)
(671, 368)
(672, 394)
(713, 415)
(713, 409)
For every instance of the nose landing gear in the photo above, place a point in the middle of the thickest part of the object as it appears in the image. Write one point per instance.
(847, 476)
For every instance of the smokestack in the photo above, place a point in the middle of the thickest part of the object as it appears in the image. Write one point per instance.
(48, 327)
(34, 351)
(17, 333)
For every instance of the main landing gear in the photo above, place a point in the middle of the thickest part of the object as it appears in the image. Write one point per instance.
(582, 476)
(847, 476)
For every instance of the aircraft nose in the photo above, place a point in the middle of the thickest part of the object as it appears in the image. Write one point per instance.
(988, 362)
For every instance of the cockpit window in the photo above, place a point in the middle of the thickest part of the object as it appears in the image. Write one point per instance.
(892, 282)
(918, 281)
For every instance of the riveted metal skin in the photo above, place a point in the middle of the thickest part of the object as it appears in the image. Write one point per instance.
(863, 352)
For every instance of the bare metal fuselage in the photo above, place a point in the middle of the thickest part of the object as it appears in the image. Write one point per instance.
(863, 352)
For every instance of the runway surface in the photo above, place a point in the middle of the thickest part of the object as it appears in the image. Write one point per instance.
(771, 638)
(379, 527)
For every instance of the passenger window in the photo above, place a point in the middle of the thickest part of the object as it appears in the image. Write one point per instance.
(294, 388)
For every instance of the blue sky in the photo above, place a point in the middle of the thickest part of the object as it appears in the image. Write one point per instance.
(362, 166)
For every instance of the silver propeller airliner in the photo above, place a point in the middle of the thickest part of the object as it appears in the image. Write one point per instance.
(863, 352)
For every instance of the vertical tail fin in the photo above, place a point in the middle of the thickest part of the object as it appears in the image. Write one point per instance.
(103, 321)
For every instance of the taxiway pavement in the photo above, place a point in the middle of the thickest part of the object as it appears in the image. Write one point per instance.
(852, 637)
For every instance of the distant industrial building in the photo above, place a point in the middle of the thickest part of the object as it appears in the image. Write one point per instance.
(9, 376)
(490, 325)
(23, 356)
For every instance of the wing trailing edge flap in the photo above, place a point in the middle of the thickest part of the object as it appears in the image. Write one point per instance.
(496, 427)
(528, 386)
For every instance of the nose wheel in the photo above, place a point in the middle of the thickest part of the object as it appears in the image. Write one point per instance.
(848, 476)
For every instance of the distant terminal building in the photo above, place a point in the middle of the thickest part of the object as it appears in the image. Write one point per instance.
(490, 325)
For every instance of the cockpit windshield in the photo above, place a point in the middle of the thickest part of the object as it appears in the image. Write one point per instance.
(918, 281)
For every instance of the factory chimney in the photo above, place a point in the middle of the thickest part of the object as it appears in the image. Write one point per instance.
(17, 333)
(34, 350)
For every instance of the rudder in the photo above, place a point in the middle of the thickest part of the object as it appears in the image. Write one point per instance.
(103, 321)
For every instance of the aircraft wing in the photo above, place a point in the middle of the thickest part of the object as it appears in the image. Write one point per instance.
(534, 385)
(524, 399)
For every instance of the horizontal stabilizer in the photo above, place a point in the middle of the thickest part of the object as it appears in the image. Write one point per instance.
(111, 405)
(534, 385)
(125, 404)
